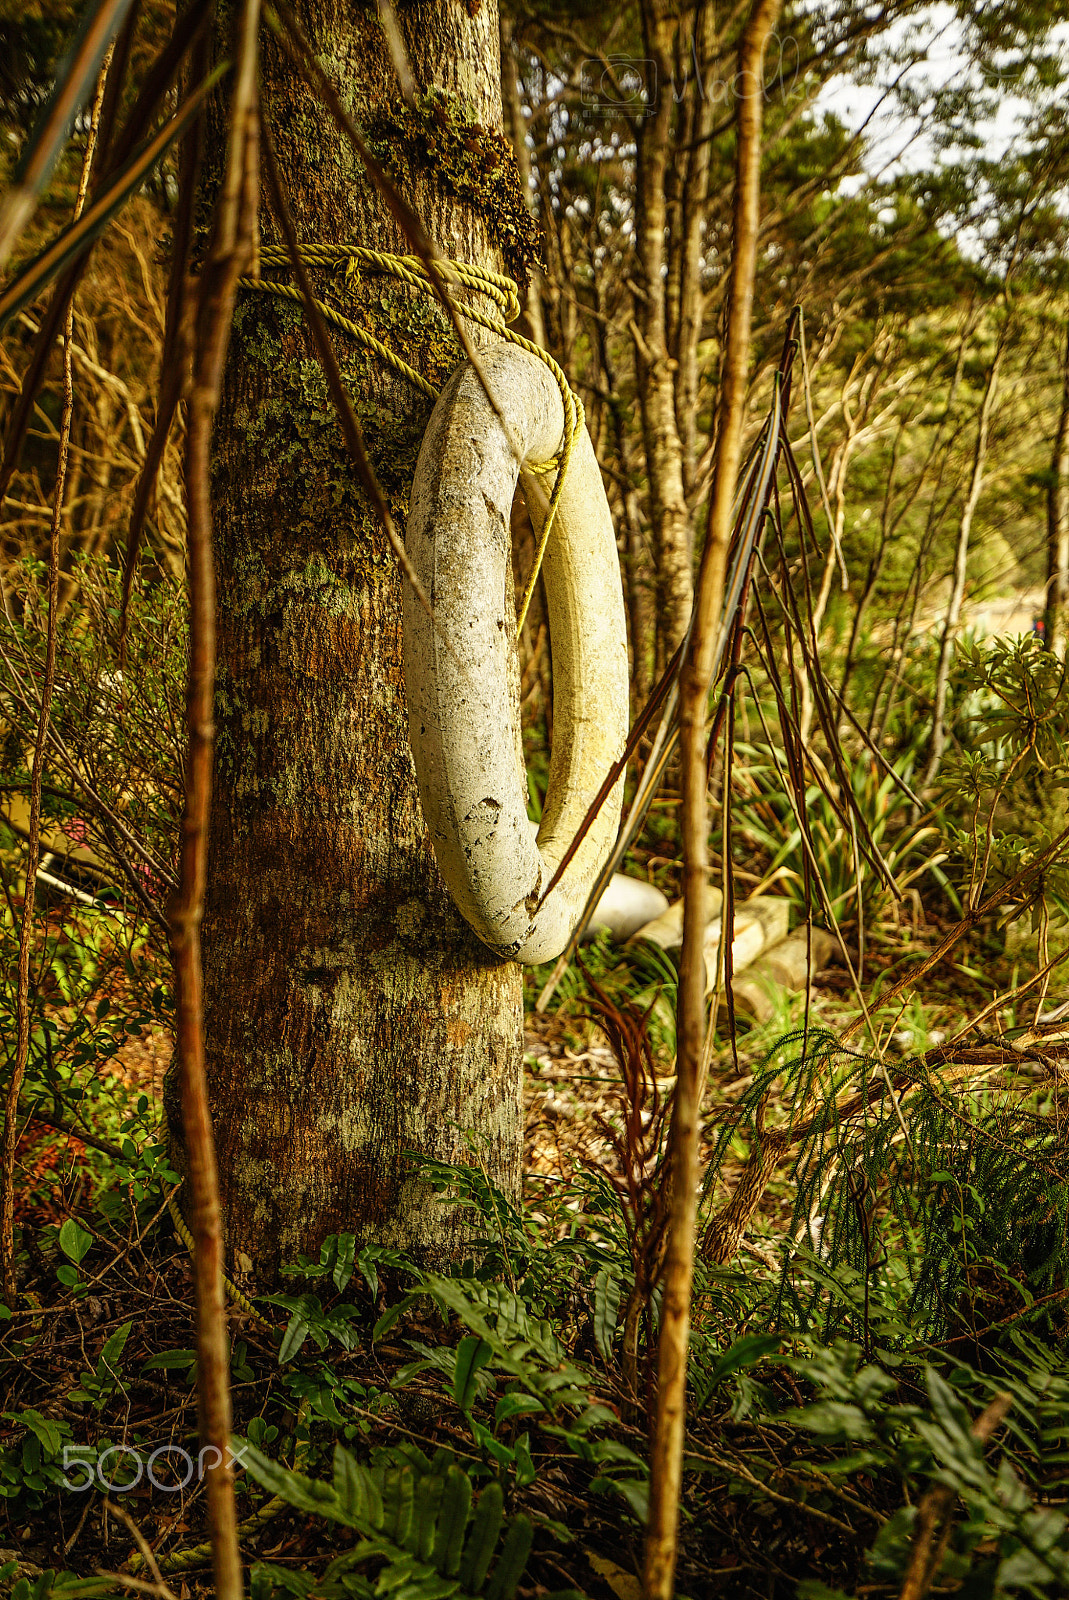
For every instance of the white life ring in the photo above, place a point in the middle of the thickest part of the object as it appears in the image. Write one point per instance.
(463, 717)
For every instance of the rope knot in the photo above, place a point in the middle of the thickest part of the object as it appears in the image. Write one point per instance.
(440, 279)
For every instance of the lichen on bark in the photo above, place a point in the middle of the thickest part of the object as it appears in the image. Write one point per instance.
(476, 163)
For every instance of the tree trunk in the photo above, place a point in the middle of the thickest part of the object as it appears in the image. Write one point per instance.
(351, 1016)
(656, 368)
(902, 628)
(516, 128)
(961, 558)
(1057, 610)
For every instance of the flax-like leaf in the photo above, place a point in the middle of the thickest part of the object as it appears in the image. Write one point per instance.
(75, 239)
(74, 83)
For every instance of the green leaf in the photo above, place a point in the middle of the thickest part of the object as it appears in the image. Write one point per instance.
(636, 1491)
(496, 1448)
(410, 1581)
(418, 1538)
(343, 1266)
(526, 1472)
(267, 1581)
(472, 1354)
(356, 1491)
(296, 1333)
(431, 1487)
(745, 1352)
(324, 1402)
(116, 1345)
(366, 1262)
(485, 1527)
(452, 1521)
(71, 1587)
(50, 1434)
(606, 1312)
(515, 1404)
(393, 1314)
(74, 1240)
(835, 1420)
(513, 1558)
(306, 1494)
(170, 1360)
(406, 1530)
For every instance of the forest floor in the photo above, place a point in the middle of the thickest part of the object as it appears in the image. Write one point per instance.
(58, 1370)
(758, 1515)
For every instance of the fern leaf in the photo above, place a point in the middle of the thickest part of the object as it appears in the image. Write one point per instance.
(512, 1560)
(356, 1491)
(486, 1526)
(452, 1521)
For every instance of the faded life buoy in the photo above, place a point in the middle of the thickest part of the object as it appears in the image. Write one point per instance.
(463, 715)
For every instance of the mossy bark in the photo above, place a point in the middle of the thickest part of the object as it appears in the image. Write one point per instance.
(351, 1016)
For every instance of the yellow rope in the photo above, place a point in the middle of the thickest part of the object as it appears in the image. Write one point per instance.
(235, 1294)
(200, 1555)
(494, 286)
(497, 288)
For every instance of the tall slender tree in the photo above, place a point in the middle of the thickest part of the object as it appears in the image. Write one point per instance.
(1057, 607)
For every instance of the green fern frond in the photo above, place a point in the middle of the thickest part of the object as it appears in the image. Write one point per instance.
(422, 1535)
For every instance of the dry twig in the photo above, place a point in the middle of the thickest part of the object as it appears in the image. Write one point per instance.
(933, 1519)
(228, 258)
(33, 852)
(667, 1452)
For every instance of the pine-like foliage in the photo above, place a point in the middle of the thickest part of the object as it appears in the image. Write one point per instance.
(952, 1205)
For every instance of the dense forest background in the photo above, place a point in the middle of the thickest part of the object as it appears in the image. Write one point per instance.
(878, 1381)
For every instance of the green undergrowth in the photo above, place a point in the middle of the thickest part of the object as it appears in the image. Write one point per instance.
(485, 1431)
(475, 1432)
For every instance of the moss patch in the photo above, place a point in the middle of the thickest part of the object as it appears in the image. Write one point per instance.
(474, 163)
